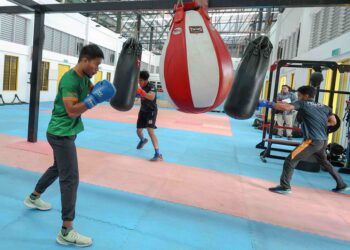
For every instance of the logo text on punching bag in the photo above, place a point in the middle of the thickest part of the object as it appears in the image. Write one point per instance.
(177, 31)
(196, 29)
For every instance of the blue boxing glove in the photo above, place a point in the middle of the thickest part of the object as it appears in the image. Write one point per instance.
(102, 91)
(266, 104)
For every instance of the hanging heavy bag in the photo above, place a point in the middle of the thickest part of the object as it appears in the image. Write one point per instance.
(127, 75)
(316, 79)
(244, 95)
(195, 67)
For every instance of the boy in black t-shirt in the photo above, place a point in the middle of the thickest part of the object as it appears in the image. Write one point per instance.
(148, 114)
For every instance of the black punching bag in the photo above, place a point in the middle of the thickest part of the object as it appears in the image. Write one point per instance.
(248, 82)
(127, 75)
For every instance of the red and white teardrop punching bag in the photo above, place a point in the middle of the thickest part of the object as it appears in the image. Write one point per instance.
(195, 67)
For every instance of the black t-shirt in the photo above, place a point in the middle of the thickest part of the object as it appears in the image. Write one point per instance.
(147, 105)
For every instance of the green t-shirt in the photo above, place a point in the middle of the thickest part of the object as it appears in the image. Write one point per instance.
(71, 87)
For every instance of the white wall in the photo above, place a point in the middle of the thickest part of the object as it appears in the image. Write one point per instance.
(150, 58)
(289, 22)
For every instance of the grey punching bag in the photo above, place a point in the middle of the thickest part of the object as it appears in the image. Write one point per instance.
(248, 82)
(127, 75)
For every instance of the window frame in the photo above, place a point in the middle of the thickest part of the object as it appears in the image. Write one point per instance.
(9, 78)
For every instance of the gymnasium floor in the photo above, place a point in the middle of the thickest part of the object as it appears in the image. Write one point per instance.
(209, 193)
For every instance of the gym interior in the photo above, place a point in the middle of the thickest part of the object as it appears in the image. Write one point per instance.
(210, 188)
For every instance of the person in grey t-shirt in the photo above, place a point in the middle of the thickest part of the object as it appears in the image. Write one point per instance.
(285, 116)
(316, 118)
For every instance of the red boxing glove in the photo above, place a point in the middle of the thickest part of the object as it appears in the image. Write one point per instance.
(141, 92)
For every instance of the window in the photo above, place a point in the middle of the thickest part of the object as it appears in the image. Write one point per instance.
(98, 77)
(64, 43)
(288, 47)
(10, 73)
(72, 45)
(309, 76)
(329, 23)
(45, 66)
(144, 66)
(13, 28)
(284, 46)
(20, 30)
(283, 81)
(294, 44)
(80, 46)
(280, 50)
(48, 41)
(7, 26)
(266, 89)
(111, 59)
(292, 80)
(326, 96)
(61, 42)
(109, 76)
(57, 41)
(109, 55)
(297, 42)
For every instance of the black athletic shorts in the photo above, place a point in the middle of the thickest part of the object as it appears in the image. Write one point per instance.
(147, 119)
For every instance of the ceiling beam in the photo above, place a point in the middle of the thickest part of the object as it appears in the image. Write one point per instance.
(26, 4)
(148, 5)
(15, 10)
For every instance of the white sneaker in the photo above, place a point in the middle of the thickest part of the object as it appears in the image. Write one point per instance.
(37, 204)
(73, 238)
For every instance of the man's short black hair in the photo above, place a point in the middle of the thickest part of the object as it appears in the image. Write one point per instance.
(91, 51)
(144, 75)
(307, 90)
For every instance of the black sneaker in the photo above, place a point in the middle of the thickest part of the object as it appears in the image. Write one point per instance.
(340, 189)
(290, 138)
(281, 190)
(142, 143)
(157, 157)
